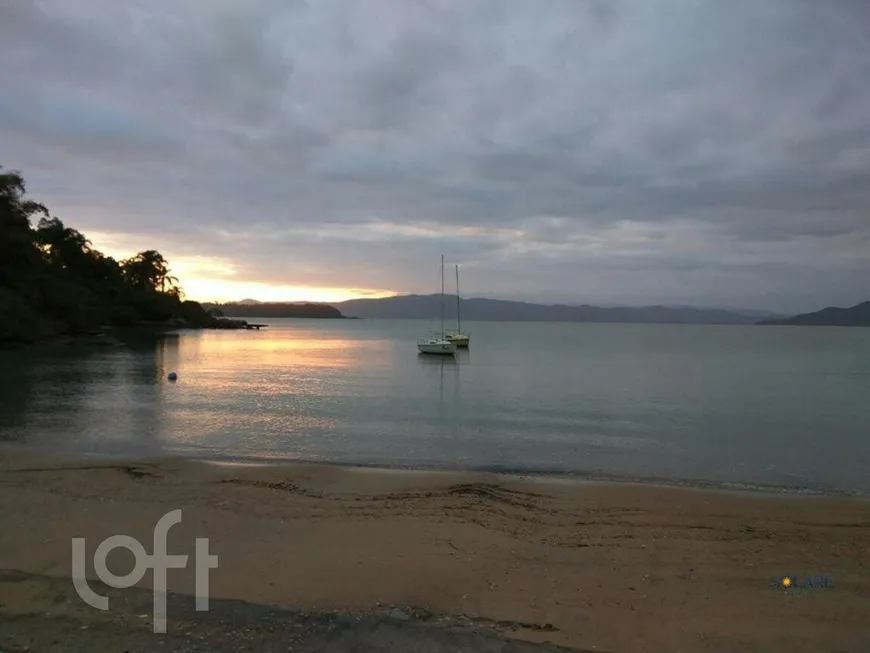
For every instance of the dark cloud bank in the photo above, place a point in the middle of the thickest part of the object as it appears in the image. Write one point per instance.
(710, 153)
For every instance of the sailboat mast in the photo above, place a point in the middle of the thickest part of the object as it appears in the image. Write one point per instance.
(458, 320)
(442, 295)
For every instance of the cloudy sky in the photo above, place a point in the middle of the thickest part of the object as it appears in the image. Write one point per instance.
(707, 153)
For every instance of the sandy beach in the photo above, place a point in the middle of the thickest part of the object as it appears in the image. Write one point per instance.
(613, 567)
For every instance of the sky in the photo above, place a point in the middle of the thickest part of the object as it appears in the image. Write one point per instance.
(672, 152)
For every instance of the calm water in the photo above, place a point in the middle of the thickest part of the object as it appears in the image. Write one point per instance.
(759, 405)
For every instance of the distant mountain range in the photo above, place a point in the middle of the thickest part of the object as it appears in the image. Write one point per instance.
(253, 308)
(858, 315)
(428, 307)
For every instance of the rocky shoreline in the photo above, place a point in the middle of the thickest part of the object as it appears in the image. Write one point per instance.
(104, 337)
(234, 626)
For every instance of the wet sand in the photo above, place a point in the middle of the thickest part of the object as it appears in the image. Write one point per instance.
(593, 566)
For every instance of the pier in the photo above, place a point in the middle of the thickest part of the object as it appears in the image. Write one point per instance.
(230, 323)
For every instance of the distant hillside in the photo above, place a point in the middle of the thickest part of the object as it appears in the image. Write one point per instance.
(858, 315)
(427, 307)
(276, 309)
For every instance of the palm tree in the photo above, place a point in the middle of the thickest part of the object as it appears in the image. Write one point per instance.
(149, 271)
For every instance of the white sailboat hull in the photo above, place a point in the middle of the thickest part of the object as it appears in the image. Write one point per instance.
(459, 339)
(437, 346)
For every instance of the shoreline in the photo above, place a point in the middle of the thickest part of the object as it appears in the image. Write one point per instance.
(555, 476)
(512, 473)
(590, 565)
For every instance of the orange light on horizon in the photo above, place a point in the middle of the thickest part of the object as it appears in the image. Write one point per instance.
(212, 290)
(214, 279)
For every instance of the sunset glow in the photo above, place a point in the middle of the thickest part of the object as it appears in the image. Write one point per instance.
(215, 279)
(214, 290)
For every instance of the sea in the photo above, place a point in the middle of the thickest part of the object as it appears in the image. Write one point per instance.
(773, 407)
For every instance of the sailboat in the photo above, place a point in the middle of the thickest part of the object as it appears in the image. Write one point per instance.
(438, 344)
(456, 336)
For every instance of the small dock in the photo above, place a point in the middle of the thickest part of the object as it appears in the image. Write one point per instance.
(231, 323)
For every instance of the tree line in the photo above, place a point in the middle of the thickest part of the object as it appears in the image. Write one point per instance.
(53, 282)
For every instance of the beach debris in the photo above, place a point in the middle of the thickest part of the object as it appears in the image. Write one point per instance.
(172, 376)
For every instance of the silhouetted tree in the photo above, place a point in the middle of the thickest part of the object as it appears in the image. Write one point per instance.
(19, 257)
(53, 281)
(149, 271)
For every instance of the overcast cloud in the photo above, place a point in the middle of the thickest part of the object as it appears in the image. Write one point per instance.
(708, 153)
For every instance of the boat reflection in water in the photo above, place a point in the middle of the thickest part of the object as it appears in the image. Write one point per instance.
(451, 363)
